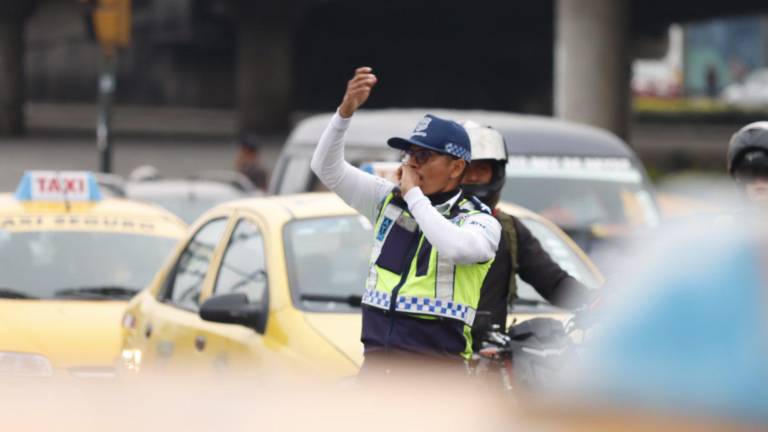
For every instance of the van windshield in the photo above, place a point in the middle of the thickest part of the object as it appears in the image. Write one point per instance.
(581, 193)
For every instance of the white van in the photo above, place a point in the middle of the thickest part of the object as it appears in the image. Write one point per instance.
(586, 180)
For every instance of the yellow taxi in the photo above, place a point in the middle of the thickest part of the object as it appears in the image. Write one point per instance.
(71, 260)
(267, 283)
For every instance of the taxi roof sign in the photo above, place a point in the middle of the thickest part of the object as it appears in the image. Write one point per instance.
(69, 186)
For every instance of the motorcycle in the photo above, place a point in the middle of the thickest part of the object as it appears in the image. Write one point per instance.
(529, 355)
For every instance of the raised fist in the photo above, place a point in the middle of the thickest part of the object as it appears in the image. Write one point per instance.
(358, 90)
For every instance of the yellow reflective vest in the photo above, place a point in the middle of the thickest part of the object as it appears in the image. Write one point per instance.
(408, 275)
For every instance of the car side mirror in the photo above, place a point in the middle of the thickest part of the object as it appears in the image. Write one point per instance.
(235, 309)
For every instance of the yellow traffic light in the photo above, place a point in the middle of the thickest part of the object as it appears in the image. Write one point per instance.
(112, 23)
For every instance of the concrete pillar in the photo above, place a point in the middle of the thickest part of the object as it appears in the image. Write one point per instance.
(592, 63)
(11, 75)
(264, 66)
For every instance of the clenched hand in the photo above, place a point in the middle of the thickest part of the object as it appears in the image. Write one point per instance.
(358, 90)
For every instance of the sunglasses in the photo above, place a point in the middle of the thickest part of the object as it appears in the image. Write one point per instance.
(421, 156)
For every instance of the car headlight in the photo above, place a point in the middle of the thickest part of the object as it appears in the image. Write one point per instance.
(24, 364)
(131, 359)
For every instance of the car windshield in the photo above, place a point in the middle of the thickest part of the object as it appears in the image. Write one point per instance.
(78, 264)
(580, 193)
(562, 254)
(187, 199)
(188, 208)
(327, 261)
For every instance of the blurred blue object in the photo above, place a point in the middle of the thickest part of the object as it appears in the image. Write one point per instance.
(690, 335)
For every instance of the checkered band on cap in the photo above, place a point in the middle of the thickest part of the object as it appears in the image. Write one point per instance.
(458, 151)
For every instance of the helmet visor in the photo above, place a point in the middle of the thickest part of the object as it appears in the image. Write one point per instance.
(753, 165)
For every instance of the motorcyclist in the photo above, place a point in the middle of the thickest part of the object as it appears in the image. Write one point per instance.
(519, 252)
(748, 162)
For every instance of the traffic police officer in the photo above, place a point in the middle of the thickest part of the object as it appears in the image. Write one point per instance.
(519, 252)
(433, 245)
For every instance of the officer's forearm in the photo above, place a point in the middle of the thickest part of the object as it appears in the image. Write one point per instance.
(458, 245)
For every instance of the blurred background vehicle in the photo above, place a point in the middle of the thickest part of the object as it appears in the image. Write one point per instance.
(284, 273)
(751, 93)
(72, 260)
(190, 196)
(110, 185)
(586, 180)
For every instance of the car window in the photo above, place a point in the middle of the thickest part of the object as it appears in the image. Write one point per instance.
(296, 175)
(187, 199)
(192, 267)
(561, 253)
(243, 269)
(327, 261)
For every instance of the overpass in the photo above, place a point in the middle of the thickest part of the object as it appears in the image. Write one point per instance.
(270, 59)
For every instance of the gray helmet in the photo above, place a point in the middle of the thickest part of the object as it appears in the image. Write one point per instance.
(487, 144)
(752, 137)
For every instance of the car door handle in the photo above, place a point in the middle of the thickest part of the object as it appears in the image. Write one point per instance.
(200, 343)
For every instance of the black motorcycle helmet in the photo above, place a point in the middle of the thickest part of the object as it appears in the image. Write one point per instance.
(487, 145)
(748, 152)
